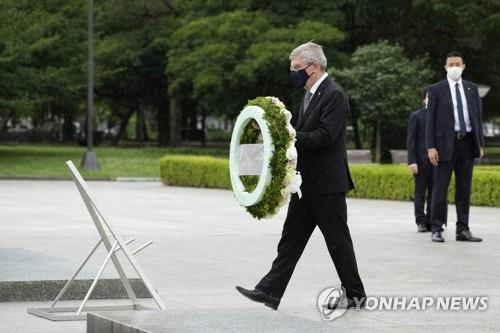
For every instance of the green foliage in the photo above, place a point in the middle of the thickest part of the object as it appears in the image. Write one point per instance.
(212, 56)
(131, 43)
(384, 85)
(252, 133)
(229, 57)
(197, 171)
(396, 183)
(217, 135)
(485, 188)
(387, 182)
(381, 182)
(434, 28)
(42, 56)
(204, 53)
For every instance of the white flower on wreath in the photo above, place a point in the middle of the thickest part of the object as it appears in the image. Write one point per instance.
(288, 115)
(276, 101)
(285, 195)
(291, 154)
(291, 131)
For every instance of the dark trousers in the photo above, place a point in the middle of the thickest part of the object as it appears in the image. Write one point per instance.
(462, 164)
(329, 213)
(423, 189)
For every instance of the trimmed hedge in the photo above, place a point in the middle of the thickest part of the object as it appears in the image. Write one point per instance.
(195, 171)
(388, 182)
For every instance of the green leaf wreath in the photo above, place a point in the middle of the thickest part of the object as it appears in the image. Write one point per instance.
(283, 161)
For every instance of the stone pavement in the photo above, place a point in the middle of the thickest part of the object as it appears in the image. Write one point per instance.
(205, 244)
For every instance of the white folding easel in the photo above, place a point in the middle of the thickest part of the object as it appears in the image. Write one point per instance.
(113, 244)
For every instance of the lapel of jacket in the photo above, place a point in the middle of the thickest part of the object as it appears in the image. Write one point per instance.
(318, 95)
(447, 94)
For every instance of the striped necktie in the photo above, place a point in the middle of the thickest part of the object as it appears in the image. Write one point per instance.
(307, 99)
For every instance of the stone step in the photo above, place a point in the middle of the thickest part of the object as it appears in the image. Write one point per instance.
(252, 320)
(47, 290)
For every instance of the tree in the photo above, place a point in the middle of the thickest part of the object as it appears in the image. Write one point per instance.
(384, 85)
(218, 63)
(432, 28)
(42, 59)
(132, 40)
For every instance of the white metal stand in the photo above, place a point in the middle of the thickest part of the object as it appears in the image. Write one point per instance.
(113, 244)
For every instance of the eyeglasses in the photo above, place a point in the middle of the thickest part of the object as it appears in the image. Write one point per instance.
(295, 69)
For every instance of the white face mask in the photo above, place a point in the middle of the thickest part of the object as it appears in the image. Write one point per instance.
(454, 72)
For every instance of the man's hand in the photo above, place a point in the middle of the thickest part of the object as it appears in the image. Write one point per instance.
(433, 155)
(413, 168)
(481, 152)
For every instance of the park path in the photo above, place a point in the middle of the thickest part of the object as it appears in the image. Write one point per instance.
(205, 244)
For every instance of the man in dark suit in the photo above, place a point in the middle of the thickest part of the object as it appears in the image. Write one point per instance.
(454, 137)
(322, 162)
(420, 167)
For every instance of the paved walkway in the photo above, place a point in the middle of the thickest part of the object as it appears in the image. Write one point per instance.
(205, 244)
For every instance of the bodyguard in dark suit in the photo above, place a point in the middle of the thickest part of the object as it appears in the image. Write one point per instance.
(454, 137)
(322, 162)
(419, 165)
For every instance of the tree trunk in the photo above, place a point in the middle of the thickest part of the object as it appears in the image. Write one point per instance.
(140, 125)
(145, 130)
(123, 127)
(193, 120)
(378, 146)
(203, 127)
(163, 118)
(175, 129)
(355, 129)
(3, 127)
(355, 126)
(68, 130)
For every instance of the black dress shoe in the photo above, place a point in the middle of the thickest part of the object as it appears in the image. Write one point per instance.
(260, 297)
(466, 236)
(437, 237)
(421, 228)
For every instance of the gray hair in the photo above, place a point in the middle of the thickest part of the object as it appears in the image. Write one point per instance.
(310, 53)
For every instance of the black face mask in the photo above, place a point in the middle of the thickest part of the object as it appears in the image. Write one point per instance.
(300, 77)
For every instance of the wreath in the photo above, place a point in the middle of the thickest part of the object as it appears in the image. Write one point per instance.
(266, 121)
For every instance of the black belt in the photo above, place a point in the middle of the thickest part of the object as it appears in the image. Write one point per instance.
(460, 136)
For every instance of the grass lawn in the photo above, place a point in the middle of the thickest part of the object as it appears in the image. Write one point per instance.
(49, 160)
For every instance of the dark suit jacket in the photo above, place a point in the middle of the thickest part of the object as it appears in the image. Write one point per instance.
(415, 138)
(322, 156)
(440, 120)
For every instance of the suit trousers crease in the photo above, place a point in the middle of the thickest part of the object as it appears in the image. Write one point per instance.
(462, 164)
(423, 194)
(329, 213)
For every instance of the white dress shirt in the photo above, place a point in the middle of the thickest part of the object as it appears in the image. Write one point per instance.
(464, 104)
(316, 84)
